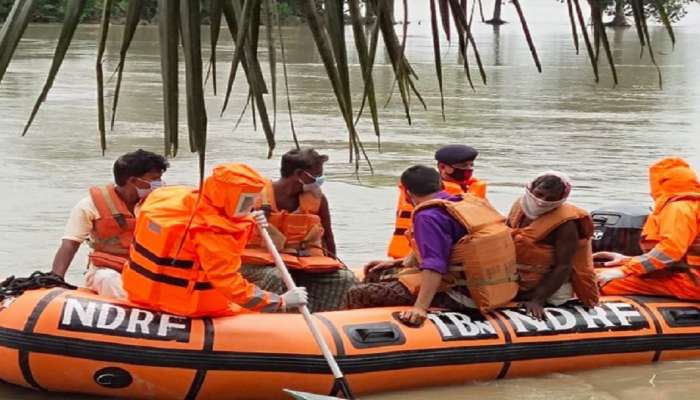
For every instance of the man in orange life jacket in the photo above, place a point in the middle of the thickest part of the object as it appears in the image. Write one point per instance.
(106, 220)
(553, 245)
(670, 238)
(300, 225)
(447, 263)
(186, 253)
(456, 165)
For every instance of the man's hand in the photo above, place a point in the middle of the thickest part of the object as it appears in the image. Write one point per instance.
(610, 259)
(534, 308)
(414, 317)
(609, 274)
(294, 298)
(378, 266)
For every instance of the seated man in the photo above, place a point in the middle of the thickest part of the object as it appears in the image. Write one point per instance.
(300, 225)
(187, 248)
(553, 245)
(670, 238)
(456, 165)
(106, 220)
(462, 255)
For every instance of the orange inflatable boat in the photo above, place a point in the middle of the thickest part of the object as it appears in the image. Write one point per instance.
(74, 341)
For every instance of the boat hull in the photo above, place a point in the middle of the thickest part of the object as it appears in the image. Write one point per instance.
(74, 341)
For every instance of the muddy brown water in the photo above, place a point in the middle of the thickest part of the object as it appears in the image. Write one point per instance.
(522, 122)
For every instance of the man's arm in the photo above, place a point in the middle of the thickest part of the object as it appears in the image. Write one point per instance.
(434, 242)
(430, 283)
(565, 244)
(77, 230)
(64, 256)
(678, 228)
(220, 257)
(325, 214)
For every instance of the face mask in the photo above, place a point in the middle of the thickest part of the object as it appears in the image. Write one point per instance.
(152, 185)
(533, 206)
(315, 185)
(461, 175)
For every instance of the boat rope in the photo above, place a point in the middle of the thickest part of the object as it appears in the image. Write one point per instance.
(13, 287)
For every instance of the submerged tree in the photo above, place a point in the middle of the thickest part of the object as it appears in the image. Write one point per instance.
(496, 18)
(180, 29)
(622, 9)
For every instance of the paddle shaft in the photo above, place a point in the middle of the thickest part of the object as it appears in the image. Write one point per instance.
(287, 278)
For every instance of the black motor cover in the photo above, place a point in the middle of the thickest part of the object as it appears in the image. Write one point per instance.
(618, 228)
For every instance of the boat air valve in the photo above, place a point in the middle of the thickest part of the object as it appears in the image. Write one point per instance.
(113, 378)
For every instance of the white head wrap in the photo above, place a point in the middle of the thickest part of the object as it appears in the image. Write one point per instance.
(533, 206)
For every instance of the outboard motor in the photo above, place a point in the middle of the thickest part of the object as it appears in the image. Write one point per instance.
(618, 227)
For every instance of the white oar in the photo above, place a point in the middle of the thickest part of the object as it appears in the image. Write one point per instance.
(340, 382)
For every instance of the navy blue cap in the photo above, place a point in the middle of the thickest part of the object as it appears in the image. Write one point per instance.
(455, 154)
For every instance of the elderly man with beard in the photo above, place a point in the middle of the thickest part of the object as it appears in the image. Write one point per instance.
(553, 245)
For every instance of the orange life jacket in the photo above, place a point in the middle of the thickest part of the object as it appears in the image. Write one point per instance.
(650, 236)
(164, 271)
(112, 231)
(483, 260)
(536, 258)
(400, 246)
(298, 235)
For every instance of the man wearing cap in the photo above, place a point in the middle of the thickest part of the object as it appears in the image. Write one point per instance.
(300, 226)
(456, 165)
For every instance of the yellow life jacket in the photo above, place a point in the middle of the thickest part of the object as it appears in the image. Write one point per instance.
(483, 260)
(298, 235)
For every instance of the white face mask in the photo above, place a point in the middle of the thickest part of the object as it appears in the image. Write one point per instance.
(314, 186)
(534, 207)
(152, 185)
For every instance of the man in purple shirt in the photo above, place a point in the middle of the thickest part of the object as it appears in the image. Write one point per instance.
(435, 232)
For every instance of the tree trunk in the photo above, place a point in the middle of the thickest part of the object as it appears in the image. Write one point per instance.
(370, 12)
(496, 20)
(620, 20)
(392, 10)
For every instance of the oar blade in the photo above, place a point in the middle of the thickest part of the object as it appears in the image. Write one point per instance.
(308, 396)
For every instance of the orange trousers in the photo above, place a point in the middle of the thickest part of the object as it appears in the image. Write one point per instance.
(681, 285)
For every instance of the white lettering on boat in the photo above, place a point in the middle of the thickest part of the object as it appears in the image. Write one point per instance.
(94, 316)
(459, 326)
(608, 316)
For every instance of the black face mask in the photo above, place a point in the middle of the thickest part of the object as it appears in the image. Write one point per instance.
(461, 175)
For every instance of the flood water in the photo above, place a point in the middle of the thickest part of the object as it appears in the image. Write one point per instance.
(523, 122)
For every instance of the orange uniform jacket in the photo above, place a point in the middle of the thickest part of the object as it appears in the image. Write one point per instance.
(399, 246)
(670, 237)
(194, 272)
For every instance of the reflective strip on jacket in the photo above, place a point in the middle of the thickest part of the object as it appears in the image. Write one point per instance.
(671, 235)
(192, 272)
